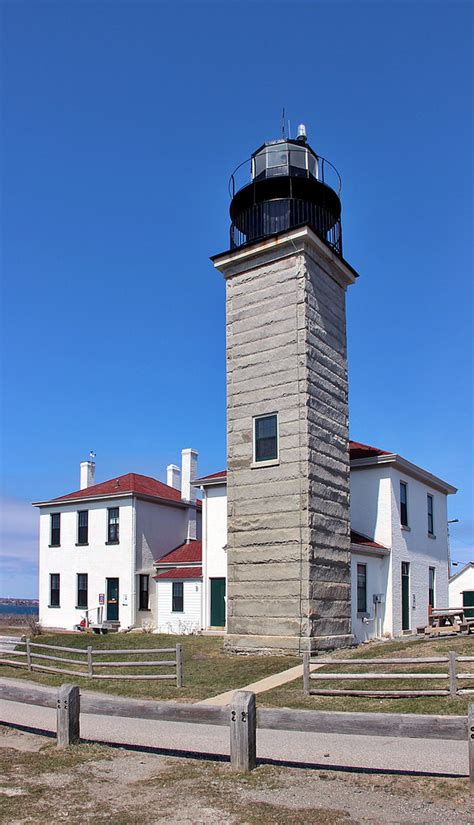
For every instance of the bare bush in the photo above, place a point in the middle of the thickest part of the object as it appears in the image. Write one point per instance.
(33, 625)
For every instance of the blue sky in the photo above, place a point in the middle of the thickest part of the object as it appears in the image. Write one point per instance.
(121, 125)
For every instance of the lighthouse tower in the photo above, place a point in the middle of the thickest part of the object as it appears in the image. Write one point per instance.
(287, 404)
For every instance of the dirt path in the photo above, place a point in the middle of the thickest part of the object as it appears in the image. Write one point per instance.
(95, 784)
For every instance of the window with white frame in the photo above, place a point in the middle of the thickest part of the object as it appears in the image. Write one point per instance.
(430, 507)
(362, 588)
(431, 586)
(83, 527)
(113, 525)
(178, 597)
(404, 504)
(82, 588)
(265, 438)
(54, 587)
(55, 529)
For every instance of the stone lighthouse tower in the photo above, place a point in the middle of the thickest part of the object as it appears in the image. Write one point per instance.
(287, 404)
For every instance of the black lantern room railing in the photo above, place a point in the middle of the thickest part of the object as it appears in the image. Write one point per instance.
(282, 186)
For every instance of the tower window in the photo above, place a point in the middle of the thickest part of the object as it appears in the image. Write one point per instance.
(430, 514)
(82, 590)
(113, 525)
(54, 590)
(404, 504)
(83, 527)
(55, 529)
(265, 438)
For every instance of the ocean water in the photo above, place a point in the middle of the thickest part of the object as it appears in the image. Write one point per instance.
(20, 609)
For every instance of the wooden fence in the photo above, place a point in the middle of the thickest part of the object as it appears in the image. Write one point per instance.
(88, 660)
(452, 676)
(242, 717)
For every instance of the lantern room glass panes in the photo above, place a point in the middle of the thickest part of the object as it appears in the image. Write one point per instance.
(266, 438)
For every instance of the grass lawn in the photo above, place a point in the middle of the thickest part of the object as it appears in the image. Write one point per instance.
(207, 669)
(291, 695)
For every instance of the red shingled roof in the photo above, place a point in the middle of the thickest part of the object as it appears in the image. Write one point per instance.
(128, 483)
(358, 450)
(181, 573)
(358, 538)
(192, 551)
(221, 474)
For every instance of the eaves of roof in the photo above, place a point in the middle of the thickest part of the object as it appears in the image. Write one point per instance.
(406, 467)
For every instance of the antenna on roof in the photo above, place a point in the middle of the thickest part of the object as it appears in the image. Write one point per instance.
(92, 455)
(283, 123)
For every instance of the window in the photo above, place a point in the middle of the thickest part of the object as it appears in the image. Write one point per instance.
(143, 600)
(362, 588)
(81, 590)
(265, 438)
(113, 525)
(83, 527)
(178, 601)
(55, 529)
(429, 499)
(54, 590)
(431, 586)
(403, 504)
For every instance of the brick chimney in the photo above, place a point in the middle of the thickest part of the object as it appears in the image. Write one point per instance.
(87, 474)
(173, 476)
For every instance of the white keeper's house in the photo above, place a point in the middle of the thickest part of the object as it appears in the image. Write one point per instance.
(134, 549)
(99, 545)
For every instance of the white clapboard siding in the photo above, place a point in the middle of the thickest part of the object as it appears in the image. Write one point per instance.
(187, 621)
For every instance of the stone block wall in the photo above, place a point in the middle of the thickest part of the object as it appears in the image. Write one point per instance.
(288, 524)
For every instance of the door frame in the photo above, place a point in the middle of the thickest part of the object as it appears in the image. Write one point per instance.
(220, 579)
(107, 580)
(406, 581)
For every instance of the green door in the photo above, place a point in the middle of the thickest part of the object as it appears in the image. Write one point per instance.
(405, 595)
(468, 602)
(112, 600)
(217, 602)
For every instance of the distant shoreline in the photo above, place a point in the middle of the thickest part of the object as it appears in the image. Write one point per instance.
(19, 602)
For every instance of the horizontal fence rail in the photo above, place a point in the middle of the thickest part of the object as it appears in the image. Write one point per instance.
(451, 675)
(242, 717)
(90, 661)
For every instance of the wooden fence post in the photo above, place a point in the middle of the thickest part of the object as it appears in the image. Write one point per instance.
(68, 715)
(306, 658)
(452, 673)
(90, 669)
(179, 666)
(243, 731)
(28, 655)
(470, 742)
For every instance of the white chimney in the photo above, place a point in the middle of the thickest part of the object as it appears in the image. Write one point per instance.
(87, 474)
(188, 473)
(173, 476)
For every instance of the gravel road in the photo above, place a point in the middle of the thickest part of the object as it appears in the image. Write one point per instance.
(328, 750)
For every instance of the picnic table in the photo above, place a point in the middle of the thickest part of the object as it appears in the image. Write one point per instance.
(446, 620)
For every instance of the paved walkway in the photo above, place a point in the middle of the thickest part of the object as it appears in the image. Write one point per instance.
(261, 686)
